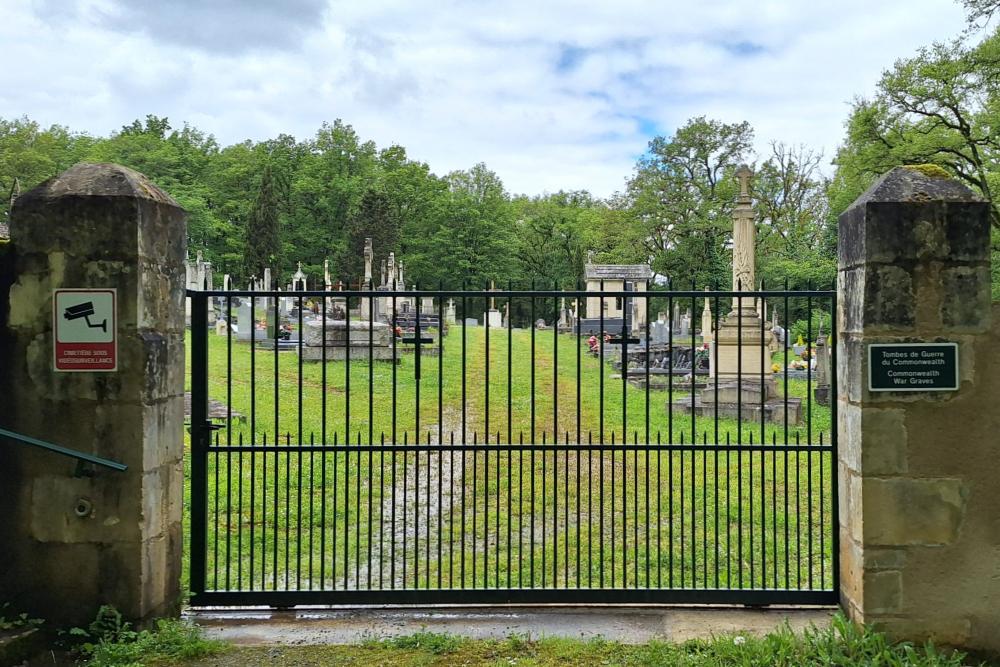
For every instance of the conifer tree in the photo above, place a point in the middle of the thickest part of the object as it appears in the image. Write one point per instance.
(262, 245)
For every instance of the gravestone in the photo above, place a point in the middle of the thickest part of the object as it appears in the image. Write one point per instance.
(244, 320)
(365, 341)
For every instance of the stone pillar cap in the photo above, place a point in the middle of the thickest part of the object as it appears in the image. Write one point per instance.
(912, 184)
(97, 180)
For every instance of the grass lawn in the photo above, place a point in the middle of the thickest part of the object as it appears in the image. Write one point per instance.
(842, 644)
(500, 516)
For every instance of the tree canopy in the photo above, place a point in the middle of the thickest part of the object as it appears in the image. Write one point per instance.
(939, 107)
(281, 201)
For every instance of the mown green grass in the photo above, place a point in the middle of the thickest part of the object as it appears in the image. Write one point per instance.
(598, 517)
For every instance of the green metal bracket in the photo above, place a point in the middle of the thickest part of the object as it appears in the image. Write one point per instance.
(82, 457)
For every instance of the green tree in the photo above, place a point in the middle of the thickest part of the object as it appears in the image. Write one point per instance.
(30, 154)
(376, 219)
(793, 230)
(939, 107)
(180, 162)
(333, 172)
(552, 236)
(262, 244)
(681, 196)
(469, 235)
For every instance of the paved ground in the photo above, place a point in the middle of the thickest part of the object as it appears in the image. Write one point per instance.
(624, 624)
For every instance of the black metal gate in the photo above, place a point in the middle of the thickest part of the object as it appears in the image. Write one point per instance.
(419, 461)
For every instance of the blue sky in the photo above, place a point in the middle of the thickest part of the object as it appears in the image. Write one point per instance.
(550, 95)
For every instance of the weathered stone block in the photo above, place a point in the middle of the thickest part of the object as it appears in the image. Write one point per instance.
(877, 558)
(851, 367)
(902, 232)
(968, 231)
(849, 435)
(53, 501)
(851, 573)
(95, 226)
(899, 511)
(965, 304)
(336, 333)
(914, 267)
(890, 299)
(154, 510)
(850, 300)
(851, 247)
(885, 438)
(883, 592)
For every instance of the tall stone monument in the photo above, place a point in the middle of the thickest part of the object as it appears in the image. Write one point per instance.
(739, 337)
(742, 382)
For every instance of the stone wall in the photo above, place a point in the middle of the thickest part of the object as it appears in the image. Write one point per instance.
(919, 472)
(94, 226)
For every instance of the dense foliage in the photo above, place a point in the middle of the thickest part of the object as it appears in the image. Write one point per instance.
(281, 201)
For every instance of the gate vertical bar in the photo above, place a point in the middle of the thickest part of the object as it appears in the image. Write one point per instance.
(200, 437)
(835, 456)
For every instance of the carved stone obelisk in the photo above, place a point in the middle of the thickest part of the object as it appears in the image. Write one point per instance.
(744, 243)
(741, 382)
(741, 338)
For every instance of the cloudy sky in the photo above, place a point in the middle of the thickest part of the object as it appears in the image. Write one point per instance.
(550, 94)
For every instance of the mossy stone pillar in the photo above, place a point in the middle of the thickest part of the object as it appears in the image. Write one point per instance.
(919, 471)
(94, 226)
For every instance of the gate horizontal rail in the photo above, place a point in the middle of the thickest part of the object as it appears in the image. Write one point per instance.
(700, 504)
(500, 447)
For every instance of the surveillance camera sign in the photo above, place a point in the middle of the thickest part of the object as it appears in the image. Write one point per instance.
(84, 322)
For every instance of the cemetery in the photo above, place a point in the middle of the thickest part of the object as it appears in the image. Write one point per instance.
(485, 385)
(280, 400)
(729, 368)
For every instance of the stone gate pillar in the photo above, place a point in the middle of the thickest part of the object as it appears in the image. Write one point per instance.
(72, 539)
(919, 470)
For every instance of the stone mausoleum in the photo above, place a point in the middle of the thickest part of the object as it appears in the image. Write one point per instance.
(615, 278)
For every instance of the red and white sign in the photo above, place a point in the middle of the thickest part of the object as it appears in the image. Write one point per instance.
(84, 322)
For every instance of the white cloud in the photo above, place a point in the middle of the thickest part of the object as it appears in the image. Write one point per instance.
(554, 95)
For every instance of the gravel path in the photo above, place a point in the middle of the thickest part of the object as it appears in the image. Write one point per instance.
(426, 485)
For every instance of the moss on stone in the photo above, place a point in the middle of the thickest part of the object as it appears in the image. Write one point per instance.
(929, 170)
